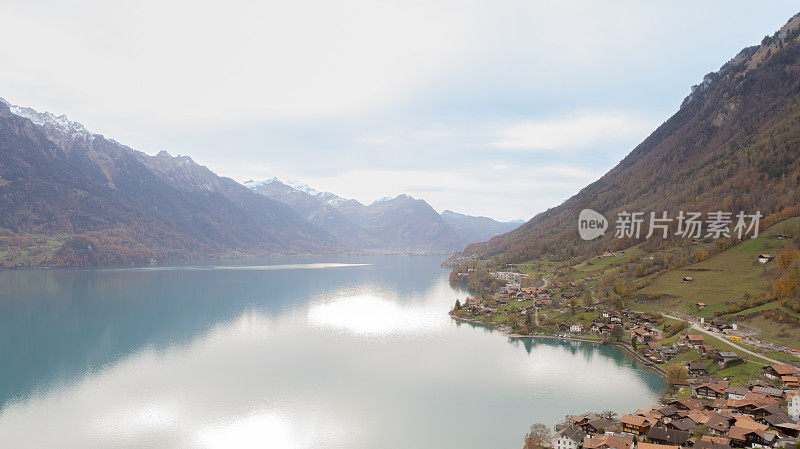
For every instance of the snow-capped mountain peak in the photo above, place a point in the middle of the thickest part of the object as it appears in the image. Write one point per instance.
(58, 123)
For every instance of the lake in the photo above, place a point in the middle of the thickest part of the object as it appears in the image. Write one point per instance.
(348, 352)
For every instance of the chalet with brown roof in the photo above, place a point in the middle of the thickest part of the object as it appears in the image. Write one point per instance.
(776, 371)
(764, 258)
(712, 390)
(655, 446)
(635, 425)
(694, 340)
(790, 382)
(683, 424)
(607, 441)
(663, 435)
(696, 368)
(744, 437)
(704, 444)
(737, 392)
(700, 305)
(686, 404)
(687, 279)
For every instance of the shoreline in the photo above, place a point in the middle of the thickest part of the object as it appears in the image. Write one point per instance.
(626, 349)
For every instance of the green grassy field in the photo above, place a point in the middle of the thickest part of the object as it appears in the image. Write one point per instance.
(720, 280)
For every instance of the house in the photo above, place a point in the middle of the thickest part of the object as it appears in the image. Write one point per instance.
(686, 404)
(655, 446)
(745, 437)
(736, 392)
(775, 372)
(700, 305)
(794, 407)
(642, 334)
(683, 424)
(718, 423)
(635, 425)
(706, 444)
(765, 392)
(687, 279)
(788, 429)
(728, 358)
(694, 340)
(707, 349)
(595, 425)
(569, 437)
(696, 368)
(713, 390)
(764, 258)
(607, 441)
(663, 435)
(790, 382)
(576, 328)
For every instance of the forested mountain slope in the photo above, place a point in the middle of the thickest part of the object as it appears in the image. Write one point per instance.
(733, 146)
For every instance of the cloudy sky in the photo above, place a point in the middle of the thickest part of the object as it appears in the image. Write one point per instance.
(498, 108)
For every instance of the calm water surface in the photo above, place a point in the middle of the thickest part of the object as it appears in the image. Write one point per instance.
(293, 353)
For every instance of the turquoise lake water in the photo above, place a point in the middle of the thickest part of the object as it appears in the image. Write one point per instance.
(349, 352)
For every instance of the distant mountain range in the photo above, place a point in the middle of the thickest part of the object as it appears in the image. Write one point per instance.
(401, 223)
(733, 145)
(72, 197)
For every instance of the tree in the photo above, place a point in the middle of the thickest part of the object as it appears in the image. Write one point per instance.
(633, 343)
(573, 305)
(700, 431)
(608, 414)
(539, 435)
(457, 306)
(616, 333)
(676, 372)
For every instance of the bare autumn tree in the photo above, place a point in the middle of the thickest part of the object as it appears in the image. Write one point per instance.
(539, 435)
(676, 372)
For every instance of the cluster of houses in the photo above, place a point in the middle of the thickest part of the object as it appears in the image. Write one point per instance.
(716, 416)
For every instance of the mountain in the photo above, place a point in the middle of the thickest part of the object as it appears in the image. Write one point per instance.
(405, 222)
(316, 208)
(399, 223)
(72, 197)
(733, 145)
(477, 229)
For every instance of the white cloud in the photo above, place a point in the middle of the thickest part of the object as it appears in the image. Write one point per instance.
(190, 62)
(575, 131)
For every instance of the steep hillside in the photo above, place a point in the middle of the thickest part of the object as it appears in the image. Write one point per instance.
(107, 203)
(733, 145)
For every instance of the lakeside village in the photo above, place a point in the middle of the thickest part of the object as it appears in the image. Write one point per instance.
(716, 399)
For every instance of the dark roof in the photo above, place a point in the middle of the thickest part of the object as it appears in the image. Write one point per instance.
(572, 432)
(718, 422)
(774, 420)
(703, 444)
(671, 436)
(683, 424)
(601, 423)
(728, 355)
(697, 365)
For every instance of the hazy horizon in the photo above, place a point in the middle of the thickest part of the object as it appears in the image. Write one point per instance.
(367, 100)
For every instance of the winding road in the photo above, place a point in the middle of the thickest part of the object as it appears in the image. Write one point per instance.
(697, 327)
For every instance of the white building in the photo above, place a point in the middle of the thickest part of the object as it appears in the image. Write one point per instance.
(569, 437)
(794, 407)
(576, 328)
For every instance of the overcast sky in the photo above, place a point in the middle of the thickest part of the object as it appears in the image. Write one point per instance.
(497, 108)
